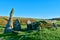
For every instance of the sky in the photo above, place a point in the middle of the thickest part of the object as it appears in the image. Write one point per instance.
(31, 8)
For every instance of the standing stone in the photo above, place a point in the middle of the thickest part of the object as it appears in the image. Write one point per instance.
(29, 26)
(17, 25)
(55, 25)
(9, 24)
(36, 26)
(33, 25)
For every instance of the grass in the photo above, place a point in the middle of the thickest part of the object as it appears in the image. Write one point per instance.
(45, 34)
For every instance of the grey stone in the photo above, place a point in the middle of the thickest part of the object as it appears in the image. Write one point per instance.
(55, 25)
(9, 24)
(36, 25)
(29, 25)
(17, 25)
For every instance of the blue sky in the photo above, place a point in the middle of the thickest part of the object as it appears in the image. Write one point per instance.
(31, 8)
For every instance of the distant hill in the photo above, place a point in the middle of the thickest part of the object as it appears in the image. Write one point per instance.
(23, 21)
(55, 19)
(4, 19)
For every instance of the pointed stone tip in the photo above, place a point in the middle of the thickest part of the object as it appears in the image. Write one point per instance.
(12, 11)
(12, 8)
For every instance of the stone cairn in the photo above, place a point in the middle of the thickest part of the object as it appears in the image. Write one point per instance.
(9, 24)
(17, 25)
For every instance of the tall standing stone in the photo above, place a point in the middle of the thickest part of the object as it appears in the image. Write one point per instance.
(9, 24)
(17, 25)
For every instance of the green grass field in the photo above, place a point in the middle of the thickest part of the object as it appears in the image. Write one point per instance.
(45, 34)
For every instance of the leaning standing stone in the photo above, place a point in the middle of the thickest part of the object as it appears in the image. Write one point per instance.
(9, 24)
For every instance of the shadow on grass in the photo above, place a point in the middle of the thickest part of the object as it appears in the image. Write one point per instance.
(25, 30)
(11, 35)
